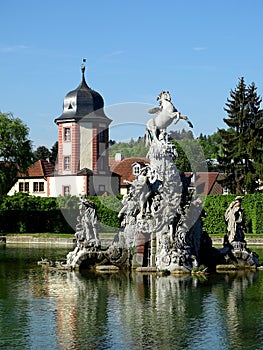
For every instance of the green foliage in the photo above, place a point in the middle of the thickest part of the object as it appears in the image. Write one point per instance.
(242, 143)
(108, 208)
(15, 150)
(190, 155)
(216, 205)
(54, 152)
(129, 149)
(42, 153)
(24, 213)
(211, 146)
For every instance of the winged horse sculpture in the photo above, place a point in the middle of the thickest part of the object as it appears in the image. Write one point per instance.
(166, 114)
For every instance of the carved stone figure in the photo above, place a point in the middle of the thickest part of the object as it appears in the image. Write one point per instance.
(86, 229)
(166, 114)
(86, 234)
(234, 218)
(235, 247)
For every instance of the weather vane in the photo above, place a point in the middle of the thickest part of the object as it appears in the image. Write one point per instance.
(83, 64)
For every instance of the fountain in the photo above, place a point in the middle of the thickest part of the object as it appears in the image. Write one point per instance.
(161, 220)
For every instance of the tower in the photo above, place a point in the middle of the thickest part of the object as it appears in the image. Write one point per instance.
(83, 137)
(83, 132)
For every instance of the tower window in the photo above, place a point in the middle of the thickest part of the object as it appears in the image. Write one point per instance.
(67, 163)
(101, 163)
(102, 136)
(67, 136)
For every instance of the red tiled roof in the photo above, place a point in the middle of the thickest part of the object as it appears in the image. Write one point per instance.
(113, 162)
(206, 182)
(124, 168)
(40, 168)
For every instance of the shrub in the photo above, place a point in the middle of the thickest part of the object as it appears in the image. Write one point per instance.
(23, 213)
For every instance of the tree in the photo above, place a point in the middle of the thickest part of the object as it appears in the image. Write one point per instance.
(129, 149)
(190, 155)
(42, 153)
(211, 146)
(15, 150)
(54, 152)
(242, 142)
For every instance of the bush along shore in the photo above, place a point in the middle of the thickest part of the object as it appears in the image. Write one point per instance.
(22, 213)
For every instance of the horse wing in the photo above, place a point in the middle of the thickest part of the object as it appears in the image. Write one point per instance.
(154, 110)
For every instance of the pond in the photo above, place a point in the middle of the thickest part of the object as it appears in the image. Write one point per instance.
(47, 309)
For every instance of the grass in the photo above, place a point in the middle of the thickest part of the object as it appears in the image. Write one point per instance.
(247, 235)
(105, 235)
(42, 235)
(56, 235)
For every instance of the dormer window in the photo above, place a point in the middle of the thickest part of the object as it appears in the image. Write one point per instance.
(67, 136)
(136, 169)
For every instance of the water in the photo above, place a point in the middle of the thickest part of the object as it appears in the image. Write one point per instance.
(42, 309)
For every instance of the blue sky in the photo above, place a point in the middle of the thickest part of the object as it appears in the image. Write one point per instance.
(197, 50)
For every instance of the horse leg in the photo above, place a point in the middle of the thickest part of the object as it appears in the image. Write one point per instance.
(148, 137)
(184, 117)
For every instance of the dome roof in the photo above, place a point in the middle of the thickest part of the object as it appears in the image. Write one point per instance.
(83, 102)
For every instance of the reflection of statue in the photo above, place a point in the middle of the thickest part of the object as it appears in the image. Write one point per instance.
(234, 218)
(166, 114)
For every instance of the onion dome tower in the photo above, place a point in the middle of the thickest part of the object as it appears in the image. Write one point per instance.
(83, 132)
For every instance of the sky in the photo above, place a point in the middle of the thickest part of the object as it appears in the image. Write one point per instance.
(197, 50)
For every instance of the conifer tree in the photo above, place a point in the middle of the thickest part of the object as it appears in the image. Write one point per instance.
(242, 142)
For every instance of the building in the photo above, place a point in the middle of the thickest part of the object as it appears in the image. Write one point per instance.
(200, 182)
(127, 169)
(82, 163)
(83, 137)
(206, 182)
(34, 181)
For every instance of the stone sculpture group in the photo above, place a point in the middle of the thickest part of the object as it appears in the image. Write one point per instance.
(161, 220)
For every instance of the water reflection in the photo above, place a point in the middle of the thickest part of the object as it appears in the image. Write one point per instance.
(47, 309)
(135, 311)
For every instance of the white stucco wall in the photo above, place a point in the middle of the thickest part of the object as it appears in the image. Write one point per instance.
(31, 181)
(110, 183)
(57, 183)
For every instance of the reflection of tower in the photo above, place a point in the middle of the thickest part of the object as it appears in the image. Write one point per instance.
(83, 131)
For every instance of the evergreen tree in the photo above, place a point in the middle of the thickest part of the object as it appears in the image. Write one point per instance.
(54, 152)
(241, 158)
(42, 153)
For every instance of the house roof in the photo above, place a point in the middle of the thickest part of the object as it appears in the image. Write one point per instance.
(41, 168)
(206, 182)
(124, 167)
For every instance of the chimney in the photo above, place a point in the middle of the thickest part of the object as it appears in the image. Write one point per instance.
(118, 156)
